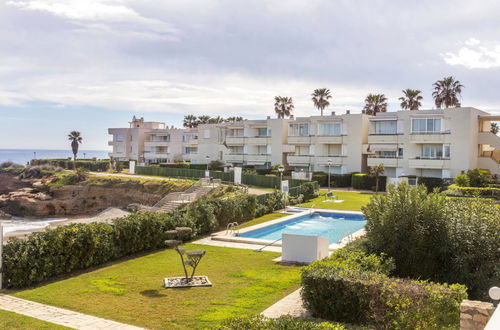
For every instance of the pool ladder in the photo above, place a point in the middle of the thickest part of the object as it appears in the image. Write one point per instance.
(311, 209)
(232, 228)
(349, 237)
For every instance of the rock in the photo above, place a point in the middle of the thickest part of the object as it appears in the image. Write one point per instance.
(5, 216)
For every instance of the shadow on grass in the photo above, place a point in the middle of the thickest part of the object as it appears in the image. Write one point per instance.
(152, 294)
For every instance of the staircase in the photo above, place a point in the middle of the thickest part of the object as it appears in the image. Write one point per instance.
(174, 200)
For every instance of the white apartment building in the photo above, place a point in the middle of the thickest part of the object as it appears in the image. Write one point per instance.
(435, 143)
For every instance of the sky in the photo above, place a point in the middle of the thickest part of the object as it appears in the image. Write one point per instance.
(89, 65)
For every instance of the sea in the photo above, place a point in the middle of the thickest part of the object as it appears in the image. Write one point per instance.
(23, 156)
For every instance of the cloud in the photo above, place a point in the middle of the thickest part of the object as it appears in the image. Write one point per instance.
(474, 56)
(101, 15)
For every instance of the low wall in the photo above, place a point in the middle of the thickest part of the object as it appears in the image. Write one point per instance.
(474, 315)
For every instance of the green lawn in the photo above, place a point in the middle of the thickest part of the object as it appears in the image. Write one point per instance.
(9, 320)
(352, 200)
(244, 282)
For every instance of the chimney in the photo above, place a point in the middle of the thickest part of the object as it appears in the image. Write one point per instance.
(347, 112)
(333, 113)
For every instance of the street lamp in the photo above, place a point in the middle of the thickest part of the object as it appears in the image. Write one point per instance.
(34, 154)
(281, 169)
(84, 155)
(329, 165)
(208, 160)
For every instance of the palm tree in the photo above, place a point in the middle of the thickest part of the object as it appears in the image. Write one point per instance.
(411, 99)
(216, 120)
(375, 103)
(190, 121)
(283, 106)
(75, 138)
(233, 119)
(494, 128)
(446, 92)
(203, 120)
(320, 98)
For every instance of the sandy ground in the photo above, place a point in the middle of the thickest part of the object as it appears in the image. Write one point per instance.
(105, 216)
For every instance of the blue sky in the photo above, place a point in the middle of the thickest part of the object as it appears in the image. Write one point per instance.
(89, 65)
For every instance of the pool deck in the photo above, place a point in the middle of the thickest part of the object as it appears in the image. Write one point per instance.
(229, 239)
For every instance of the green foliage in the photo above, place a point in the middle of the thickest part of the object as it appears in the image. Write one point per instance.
(479, 177)
(267, 203)
(432, 183)
(462, 180)
(281, 323)
(364, 181)
(431, 237)
(68, 164)
(353, 287)
(455, 190)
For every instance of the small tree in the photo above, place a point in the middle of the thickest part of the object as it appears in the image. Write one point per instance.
(375, 172)
(188, 258)
(494, 128)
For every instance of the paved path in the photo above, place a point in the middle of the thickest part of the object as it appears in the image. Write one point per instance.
(58, 315)
(290, 305)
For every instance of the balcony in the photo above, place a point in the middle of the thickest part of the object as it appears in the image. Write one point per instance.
(490, 139)
(386, 161)
(438, 137)
(384, 138)
(336, 160)
(329, 139)
(156, 143)
(234, 158)
(434, 163)
(235, 140)
(258, 140)
(110, 143)
(299, 140)
(300, 160)
(257, 159)
(154, 155)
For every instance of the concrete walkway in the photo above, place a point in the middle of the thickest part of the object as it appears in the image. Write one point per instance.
(58, 315)
(290, 305)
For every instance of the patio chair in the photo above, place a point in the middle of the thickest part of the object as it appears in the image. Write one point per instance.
(330, 196)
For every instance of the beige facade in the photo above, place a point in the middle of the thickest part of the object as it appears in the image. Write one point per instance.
(433, 143)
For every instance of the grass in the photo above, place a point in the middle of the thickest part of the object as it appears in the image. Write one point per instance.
(264, 218)
(352, 200)
(244, 283)
(9, 320)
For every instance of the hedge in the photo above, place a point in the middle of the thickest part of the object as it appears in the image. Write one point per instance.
(455, 190)
(431, 183)
(192, 166)
(281, 323)
(68, 164)
(336, 180)
(366, 182)
(358, 290)
(62, 250)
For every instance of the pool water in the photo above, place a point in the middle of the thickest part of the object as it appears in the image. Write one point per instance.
(332, 225)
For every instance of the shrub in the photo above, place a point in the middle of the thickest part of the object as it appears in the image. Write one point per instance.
(455, 190)
(354, 288)
(462, 180)
(267, 203)
(68, 164)
(479, 177)
(240, 209)
(366, 182)
(431, 237)
(431, 183)
(9, 164)
(281, 323)
(37, 172)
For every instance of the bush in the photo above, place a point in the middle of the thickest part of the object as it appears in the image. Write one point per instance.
(9, 164)
(281, 323)
(455, 190)
(267, 203)
(68, 164)
(462, 180)
(434, 238)
(364, 181)
(354, 288)
(431, 183)
(336, 180)
(40, 171)
(479, 177)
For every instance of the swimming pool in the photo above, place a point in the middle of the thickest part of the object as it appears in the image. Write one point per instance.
(332, 225)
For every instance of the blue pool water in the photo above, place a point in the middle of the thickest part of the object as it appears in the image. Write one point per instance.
(333, 226)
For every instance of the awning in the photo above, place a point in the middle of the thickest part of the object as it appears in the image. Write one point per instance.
(383, 147)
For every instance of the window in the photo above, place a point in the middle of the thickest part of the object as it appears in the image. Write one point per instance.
(298, 130)
(235, 132)
(262, 150)
(432, 151)
(446, 151)
(119, 138)
(155, 138)
(119, 149)
(388, 154)
(236, 150)
(302, 151)
(400, 152)
(261, 131)
(426, 125)
(330, 129)
(190, 150)
(385, 127)
(189, 137)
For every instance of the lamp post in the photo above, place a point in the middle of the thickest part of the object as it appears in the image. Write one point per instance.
(329, 165)
(208, 160)
(84, 155)
(34, 154)
(281, 169)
